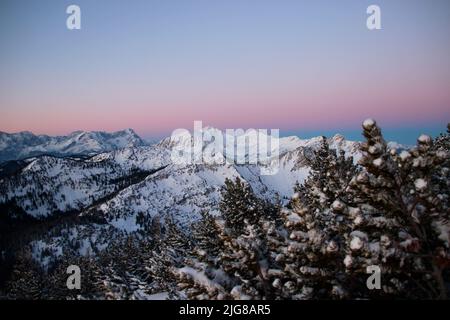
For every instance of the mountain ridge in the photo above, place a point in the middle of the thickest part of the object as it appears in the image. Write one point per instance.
(25, 144)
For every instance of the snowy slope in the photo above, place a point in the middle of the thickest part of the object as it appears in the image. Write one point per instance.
(49, 185)
(183, 191)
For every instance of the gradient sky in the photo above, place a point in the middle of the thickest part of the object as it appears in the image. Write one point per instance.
(306, 67)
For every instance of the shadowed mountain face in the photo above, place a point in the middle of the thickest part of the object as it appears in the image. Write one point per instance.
(22, 145)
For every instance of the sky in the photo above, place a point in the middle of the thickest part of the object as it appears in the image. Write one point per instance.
(305, 67)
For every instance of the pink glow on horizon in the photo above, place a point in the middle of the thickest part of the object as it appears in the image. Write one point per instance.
(285, 105)
(302, 115)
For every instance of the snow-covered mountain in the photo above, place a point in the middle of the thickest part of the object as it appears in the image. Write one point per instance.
(115, 193)
(124, 185)
(15, 146)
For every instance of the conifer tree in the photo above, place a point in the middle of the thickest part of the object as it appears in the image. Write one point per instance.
(317, 225)
(239, 203)
(329, 177)
(206, 233)
(90, 274)
(403, 217)
(27, 280)
(233, 260)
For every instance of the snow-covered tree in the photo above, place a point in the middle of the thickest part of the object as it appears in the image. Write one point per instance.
(56, 279)
(317, 225)
(239, 203)
(401, 222)
(233, 256)
(206, 233)
(174, 237)
(330, 175)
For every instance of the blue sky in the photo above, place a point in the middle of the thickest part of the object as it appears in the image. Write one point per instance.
(306, 67)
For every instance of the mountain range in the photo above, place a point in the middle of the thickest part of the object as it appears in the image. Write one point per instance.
(48, 184)
(124, 185)
(22, 145)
